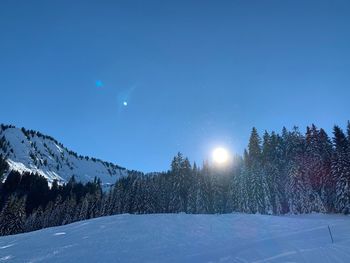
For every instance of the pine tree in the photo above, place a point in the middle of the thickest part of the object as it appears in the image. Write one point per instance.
(3, 167)
(12, 182)
(207, 190)
(139, 196)
(46, 218)
(243, 192)
(57, 211)
(12, 217)
(95, 202)
(318, 158)
(34, 221)
(232, 205)
(69, 206)
(297, 191)
(327, 183)
(104, 205)
(259, 195)
(176, 181)
(193, 194)
(301, 196)
(341, 171)
(269, 162)
(201, 203)
(84, 209)
(182, 171)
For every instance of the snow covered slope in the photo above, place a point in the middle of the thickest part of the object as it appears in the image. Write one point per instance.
(186, 238)
(32, 151)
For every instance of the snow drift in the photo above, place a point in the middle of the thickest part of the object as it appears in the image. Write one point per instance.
(186, 238)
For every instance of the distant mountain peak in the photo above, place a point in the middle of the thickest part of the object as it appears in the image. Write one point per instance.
(32, 151)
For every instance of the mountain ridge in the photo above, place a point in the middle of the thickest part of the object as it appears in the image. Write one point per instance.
(31, 151)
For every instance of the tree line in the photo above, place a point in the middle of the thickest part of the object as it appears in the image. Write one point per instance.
(282, 173)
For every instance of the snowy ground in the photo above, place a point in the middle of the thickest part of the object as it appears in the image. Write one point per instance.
(186, 238)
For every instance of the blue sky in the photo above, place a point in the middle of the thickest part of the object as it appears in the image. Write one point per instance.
(195, 74)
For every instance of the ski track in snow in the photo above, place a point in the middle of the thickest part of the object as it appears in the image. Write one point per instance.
(185, 238)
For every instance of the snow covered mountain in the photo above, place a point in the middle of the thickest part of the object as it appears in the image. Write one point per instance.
(186, 238)
(27, 150)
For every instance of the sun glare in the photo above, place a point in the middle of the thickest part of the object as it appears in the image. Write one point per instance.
(220, 155)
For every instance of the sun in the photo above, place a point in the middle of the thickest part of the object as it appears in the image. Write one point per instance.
(220, 155)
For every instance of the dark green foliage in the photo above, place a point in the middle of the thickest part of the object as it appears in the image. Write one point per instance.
(44, 206)
(3, 144)
(12, 216)
(258, 194)
(287, 173)
(341, 171)
(3, 167)
(12, 182)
